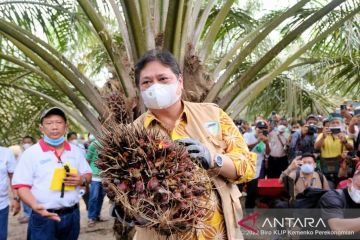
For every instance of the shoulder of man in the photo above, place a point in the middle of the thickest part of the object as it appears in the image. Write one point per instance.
(32, 150)
(332, 199)
(292, 174)
(205, 104)
(140, 120)
(5, 150)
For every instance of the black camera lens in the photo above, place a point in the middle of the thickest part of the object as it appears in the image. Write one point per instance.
(312, 129)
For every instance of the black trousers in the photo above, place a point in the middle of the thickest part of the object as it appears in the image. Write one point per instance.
(251, 190)
(276, 166)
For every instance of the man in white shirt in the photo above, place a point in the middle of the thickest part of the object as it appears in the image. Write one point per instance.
(278, 159)
(7, 166)
(48, 178)
(258, 143)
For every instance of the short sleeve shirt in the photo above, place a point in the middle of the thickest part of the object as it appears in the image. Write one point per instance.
(333, 204)
(332, 147)
(92, 156)
(7, 165)
(36, 169)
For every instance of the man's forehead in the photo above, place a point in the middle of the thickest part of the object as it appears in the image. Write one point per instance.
(53, 117)
(308, 159)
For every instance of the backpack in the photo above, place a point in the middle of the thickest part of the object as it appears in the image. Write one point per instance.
(311, 196)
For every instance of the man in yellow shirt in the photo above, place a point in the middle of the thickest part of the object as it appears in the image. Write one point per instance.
(332, 142)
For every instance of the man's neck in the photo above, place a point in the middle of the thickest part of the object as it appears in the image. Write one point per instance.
(308, 175)
(170, 114)
(58, 148)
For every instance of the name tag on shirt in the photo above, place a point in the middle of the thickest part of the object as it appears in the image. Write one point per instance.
(212, 127)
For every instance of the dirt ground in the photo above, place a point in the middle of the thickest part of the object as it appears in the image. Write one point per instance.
(103, 230)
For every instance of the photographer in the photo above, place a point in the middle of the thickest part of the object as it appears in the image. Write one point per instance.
(304, 174)
(258, 143)
(353, 129)
(303, 139)
(332, 142)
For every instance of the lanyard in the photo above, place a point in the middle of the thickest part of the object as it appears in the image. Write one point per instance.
(66, 167)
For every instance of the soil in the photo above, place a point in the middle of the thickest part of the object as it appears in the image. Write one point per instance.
(102, 230)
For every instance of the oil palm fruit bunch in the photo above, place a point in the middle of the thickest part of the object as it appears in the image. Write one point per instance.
(118, 108)
(154, 181)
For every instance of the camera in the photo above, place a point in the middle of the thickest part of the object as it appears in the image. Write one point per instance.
(335, 130)
(351, 154)
(312, 129)
(265, 133)
(343, 107)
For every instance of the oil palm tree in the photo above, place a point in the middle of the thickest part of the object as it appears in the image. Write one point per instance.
(55, 50)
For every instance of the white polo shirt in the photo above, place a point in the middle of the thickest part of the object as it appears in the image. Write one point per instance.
(36, 168)
(7, 165)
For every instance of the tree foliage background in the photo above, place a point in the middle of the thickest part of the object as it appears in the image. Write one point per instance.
(74, 53)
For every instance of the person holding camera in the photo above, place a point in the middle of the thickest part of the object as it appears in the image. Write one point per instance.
(278, 159)
(304, 173)
(353, 128)
(303, 137)
(332, 142)
(258, 143)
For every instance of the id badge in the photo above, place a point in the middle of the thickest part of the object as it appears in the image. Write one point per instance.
(58, 177)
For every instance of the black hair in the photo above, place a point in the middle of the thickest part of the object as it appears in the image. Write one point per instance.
(308, 154)
(70, 134)
(163, 56)
(30, 137)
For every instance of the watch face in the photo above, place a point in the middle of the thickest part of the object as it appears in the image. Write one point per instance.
(219, 161)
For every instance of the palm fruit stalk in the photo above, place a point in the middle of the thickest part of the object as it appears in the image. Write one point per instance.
(154, 180)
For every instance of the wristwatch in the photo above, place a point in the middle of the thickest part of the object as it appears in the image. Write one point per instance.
(219, 161)
(17, 198)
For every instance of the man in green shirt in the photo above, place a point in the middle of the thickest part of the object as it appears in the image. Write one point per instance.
(97, 192)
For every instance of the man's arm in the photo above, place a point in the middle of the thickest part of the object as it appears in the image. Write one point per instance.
(15, 202)
(320, 141)
(239, 163)
(347, 142)
(28, 198)
(293, 166)
(341, 224)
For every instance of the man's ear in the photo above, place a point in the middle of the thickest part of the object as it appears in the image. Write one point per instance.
(349, 182)
(181, 81)
(41, 128)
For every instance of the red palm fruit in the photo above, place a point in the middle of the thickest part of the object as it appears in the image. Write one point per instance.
(198, 191)
(123, 186)
(142, 195)
(153, 183)
(177, 195)
(139, 186)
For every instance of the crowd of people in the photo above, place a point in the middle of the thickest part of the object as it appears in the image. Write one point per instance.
(50, 176)
(318, 152)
